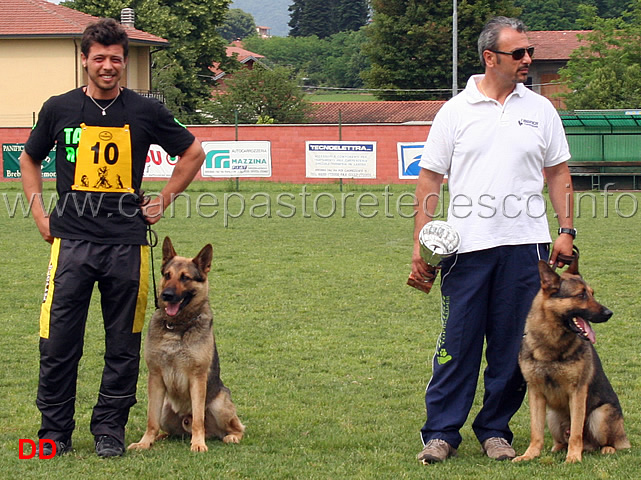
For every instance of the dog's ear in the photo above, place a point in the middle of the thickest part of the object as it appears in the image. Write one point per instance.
(168, 251)
(203, 259)
(550, 280)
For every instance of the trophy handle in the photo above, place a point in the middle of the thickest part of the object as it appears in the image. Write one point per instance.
(423, 285)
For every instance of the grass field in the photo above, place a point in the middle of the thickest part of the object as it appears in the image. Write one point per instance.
(342, 97)
(325, 349)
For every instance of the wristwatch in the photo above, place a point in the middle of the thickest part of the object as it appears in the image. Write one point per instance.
(569, 231)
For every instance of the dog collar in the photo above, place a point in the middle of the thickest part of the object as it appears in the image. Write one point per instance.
(186, 325)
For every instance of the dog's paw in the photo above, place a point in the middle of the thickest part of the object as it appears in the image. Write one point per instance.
(526, 457)
(199, 447)
(232, 438)
(140, 446)
(145, 443)
(608, 450)
(573, 458)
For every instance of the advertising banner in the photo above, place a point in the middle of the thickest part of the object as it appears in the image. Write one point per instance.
(237, 159)
(159, 163)
(409, 154)
(11, 163)
(340, 159)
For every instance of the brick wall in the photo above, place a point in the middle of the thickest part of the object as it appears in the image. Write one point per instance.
(288, 145)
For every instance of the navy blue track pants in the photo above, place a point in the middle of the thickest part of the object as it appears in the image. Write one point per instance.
(486, 296)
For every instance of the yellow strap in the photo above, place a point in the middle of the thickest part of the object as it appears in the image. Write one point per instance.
(143, 290)
(45, 309)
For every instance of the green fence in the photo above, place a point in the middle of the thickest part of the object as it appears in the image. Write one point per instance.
(605, 147)
(603, 136)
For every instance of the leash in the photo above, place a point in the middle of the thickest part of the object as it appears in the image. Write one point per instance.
(153, 242)
(567, 259)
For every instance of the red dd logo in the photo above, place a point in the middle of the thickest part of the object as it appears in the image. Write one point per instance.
(43, 441)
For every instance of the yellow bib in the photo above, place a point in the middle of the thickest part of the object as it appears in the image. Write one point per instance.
(103, 161)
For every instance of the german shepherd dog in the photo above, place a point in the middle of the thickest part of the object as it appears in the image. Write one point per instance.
(564, 372)
(186, 394)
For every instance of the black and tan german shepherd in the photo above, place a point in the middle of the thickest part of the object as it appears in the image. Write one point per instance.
(564, 372)
(186, 394)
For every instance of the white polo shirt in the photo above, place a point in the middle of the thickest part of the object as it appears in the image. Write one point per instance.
(494, 157)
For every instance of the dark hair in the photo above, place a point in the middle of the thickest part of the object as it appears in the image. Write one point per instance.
(489, 37)
(105, 31)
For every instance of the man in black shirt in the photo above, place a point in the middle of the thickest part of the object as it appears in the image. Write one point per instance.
(102, 133)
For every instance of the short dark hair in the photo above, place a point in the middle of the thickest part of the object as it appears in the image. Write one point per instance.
(489, 37)
(105, 31)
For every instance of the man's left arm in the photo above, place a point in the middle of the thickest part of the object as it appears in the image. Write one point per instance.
(562, 197)
(184, 172)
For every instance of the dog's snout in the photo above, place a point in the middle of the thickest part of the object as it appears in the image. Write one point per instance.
(169, 295)
(607, 313)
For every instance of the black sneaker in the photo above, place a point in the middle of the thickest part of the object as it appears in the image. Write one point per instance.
(107, 446)
(62, 447)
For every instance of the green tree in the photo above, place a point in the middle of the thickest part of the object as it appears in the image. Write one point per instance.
(238, 25)
(262, 95)
(336, 61)
(180, 72)
(610, 8)
(346, 62)
(351, 15)
(305, 56)
(311, 17)
(606, 72)
(565, 14)
(326, 17)
(550, 14)
(410, 45)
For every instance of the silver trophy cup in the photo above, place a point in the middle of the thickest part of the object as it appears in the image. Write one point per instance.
(438, 240)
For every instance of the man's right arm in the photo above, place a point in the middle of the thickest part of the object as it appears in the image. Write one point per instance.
(32, 185)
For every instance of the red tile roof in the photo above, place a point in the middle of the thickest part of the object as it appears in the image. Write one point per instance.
(42, 19)
(551, 45)
(236, 48)
(376, 112)
(242, 55)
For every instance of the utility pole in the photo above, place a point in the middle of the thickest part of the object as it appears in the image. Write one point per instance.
(454, 47)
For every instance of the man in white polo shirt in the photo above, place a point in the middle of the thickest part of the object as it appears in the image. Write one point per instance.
(498, 142)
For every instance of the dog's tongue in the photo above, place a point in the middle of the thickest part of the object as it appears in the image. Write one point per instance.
(172, 309)
(585, 326)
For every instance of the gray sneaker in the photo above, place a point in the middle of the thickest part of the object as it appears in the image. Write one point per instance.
(498, 448)
(436, 450)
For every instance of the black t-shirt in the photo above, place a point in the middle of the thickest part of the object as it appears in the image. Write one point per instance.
(102, 217)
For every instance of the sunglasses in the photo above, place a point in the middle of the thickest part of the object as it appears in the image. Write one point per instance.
(517, 54)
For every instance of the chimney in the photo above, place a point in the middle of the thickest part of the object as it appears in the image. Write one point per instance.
(127, 17)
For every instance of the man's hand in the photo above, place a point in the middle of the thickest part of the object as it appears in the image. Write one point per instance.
(152, 212)
(43, 226)
(562, 245)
